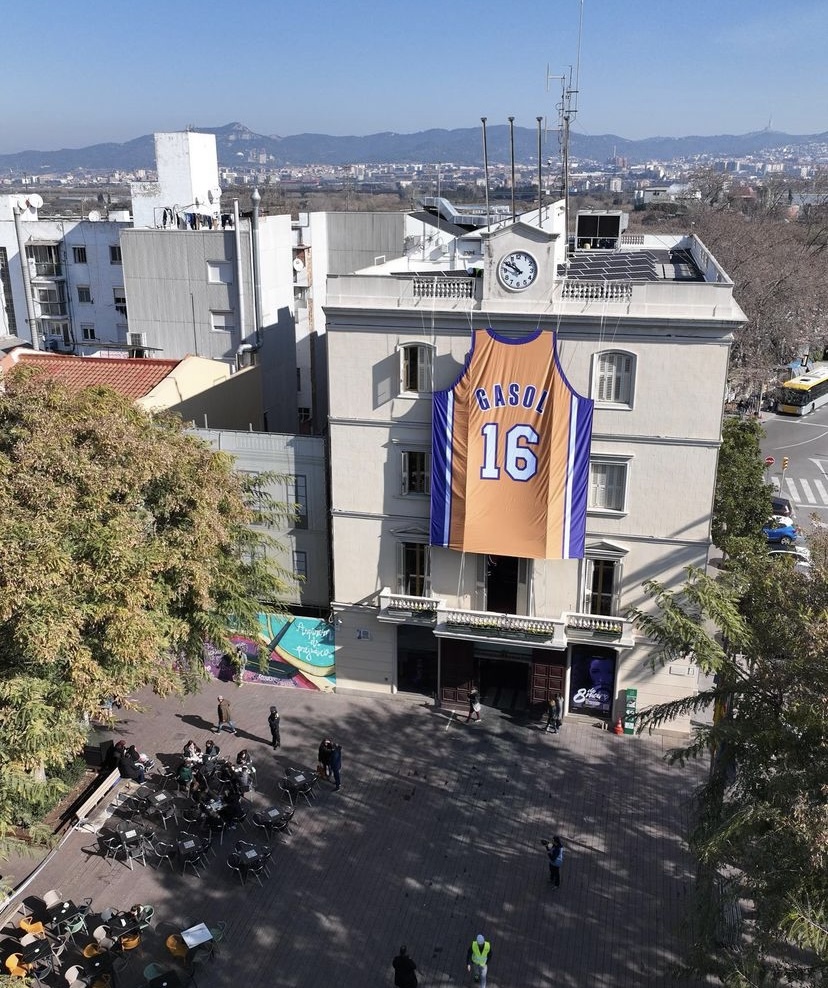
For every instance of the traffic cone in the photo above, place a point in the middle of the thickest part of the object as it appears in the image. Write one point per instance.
(618, 727)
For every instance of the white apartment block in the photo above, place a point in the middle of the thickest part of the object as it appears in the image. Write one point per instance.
(643, 327)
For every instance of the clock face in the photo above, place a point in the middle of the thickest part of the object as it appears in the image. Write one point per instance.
(517, 270)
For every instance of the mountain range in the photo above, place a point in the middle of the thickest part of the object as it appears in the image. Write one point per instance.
(236, 144)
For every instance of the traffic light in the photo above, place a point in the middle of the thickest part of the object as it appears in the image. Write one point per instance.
(784, 462)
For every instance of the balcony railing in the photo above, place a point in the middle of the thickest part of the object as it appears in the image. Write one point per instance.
(599, 628)
(489, 625)
(397, 608)
(528, 630)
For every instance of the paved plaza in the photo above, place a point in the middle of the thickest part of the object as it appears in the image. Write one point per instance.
(434, 838)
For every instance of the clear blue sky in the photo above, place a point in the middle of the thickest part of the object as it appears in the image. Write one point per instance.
(78, 72)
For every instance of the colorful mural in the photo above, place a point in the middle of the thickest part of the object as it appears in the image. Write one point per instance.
(300, 654)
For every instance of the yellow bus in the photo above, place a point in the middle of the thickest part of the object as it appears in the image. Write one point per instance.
(803, 394)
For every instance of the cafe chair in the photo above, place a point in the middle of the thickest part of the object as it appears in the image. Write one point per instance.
(192, 859)
(135, 852)
(72, 927)
(145, 915)
(196, 961)
(234, 863)
(191, 814)
(15, 966)
(217, 933)
(283, 825)
(30, 925)
(52, 897)
(73, 975)
(130, 941)
(176, 946)
(92, 950)
(265, 855)
(164, 851)
(155, 971)
(165, 812)
(265, 823)
(102, 938)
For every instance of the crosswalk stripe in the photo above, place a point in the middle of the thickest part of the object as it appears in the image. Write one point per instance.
(806, 489)
(821, 491)
(792, 490)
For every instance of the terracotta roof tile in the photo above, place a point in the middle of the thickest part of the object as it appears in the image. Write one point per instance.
(132, 377)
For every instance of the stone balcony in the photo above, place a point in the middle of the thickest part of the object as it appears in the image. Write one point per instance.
(527, 630)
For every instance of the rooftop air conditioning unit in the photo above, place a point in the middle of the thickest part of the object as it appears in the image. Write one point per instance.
(137, 339)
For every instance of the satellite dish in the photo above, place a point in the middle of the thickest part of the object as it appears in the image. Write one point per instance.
(298, 264)
(35, 201)
(94, 216)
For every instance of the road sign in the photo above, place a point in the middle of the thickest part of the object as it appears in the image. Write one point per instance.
(769, 461)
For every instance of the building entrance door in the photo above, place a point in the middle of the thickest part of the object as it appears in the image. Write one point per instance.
(548, 677)
(416, 660)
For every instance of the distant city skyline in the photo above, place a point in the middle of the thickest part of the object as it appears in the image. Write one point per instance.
(80, 74)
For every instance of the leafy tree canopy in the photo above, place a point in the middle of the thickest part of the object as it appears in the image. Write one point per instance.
(762, 820)
(125, 544)
(742, 501)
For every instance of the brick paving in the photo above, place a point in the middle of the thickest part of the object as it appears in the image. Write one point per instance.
(435, 837)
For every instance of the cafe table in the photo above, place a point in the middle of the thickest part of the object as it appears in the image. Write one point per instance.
(169, 979)
(63, 912)
(196, 935)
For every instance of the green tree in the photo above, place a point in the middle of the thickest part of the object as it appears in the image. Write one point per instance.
(126, 544)
(761, 820)
(742, 501)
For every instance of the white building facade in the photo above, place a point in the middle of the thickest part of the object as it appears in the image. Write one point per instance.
(644, 329)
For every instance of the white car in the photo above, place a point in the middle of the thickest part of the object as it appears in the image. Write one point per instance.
(798, 555)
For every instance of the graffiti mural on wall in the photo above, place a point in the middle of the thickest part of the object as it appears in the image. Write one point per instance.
(300, 654)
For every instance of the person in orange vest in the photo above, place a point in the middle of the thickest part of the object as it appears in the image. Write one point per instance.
(478, 957)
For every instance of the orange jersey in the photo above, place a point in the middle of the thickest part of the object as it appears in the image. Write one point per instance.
(510, 453)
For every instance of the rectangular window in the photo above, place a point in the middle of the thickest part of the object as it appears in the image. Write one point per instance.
(79, 255)
(222, 322)
(601, 592)
(52, 300)
(416, 472)
(119, 297)
(304, 414)
(115, 254)
(412, 569)
(416, 368)
(88, 331)
(45, 259)
(298, 378)
(219, 272)
(84, 294)
(300, 564)
(6, 293)
(607, 486)
(614, 378)
(298, 495)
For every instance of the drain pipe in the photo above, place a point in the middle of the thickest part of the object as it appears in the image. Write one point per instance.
(27, 278)
(257, 271)
(239, 279)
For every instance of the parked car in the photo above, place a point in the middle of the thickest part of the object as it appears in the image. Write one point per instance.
(779, 529)
(782, 506)
(796, 556)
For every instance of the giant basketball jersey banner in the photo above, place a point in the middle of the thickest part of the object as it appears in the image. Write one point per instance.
(510, 453)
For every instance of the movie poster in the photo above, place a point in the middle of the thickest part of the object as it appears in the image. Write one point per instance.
(592, 680)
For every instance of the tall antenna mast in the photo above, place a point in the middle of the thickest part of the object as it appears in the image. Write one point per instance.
(567, 109)
(486, 169)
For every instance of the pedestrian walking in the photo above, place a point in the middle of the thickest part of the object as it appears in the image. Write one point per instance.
(336, 765)
(474, 703)
(405, 970)
(323, 765)
(275, 729)
(555, 717)
(478, 957)
(555, 856)
(225, 720)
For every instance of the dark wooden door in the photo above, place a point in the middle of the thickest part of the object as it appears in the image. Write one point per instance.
(548, 675)
(456, 673)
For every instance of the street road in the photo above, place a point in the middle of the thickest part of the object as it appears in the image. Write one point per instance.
(805, 442)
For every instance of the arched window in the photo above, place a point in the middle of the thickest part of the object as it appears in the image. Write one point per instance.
(613, 380)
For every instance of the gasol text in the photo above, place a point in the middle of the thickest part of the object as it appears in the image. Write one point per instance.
(516, 394)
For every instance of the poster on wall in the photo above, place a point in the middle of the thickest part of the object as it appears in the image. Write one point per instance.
(592, 680)
(300, 654)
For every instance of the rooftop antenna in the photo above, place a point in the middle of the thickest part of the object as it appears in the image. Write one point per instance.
(486, 168)
(512, 148)
(567, 109)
